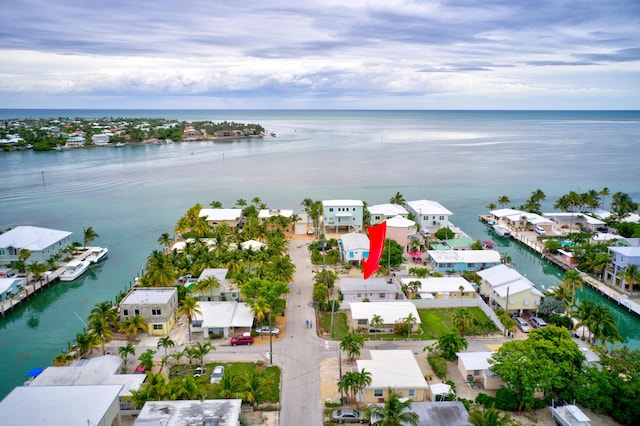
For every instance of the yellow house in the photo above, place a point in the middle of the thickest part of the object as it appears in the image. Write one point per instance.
(397, 370)
(508, 289)
(158, 305)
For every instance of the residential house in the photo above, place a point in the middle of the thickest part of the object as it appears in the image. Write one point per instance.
(622, 257)
(222, 319)
(228, 133)
(62, 405)
(41, 242)
(265, 214)
(507, 288)
(209, 412)
(224, 292)
(381, 212)
(395, 370)
(342, 215)
(430, 215)
(474, 366)
(389, 312)
(354, 247)
(10, 286)
(75, 141)
(400, 229)
(441, 413)
(374, 289)
(101, 138)
(463, 260)
(100, 370)
(519, 220)
(190, 133)
(158, 305)
(214, 217)
(574, 221)
(442, 287)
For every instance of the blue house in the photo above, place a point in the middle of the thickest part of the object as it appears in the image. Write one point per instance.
(354, 247)
(622, 257)
(463, 260)
(345, 215)
(9, 286)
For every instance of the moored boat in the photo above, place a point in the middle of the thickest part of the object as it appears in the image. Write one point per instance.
(96, 254)
(503, 231)
(74, 269)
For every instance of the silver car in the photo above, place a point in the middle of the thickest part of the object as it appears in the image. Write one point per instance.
(348, 415)
(265, 329)
(216, 376)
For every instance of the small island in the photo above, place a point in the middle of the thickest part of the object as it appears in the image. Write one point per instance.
(67, 133)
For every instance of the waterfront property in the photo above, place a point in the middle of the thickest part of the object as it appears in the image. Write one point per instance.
(521, 220)
(354, 247)
(430, 215)
(62, 405)
(381, 212)
(226, 290)
(474, 366)
(10, 286)
(42, 243)
(157, 305)
(395, 370)
(508, 289)
(401, 230)
(214, 217)
(442, 287)
(389, 312)
(222, 319)
(177, 413)
(572, 221)
(265, 214)
(622, 257)
(463, 260)
(374, 289)
(342, 215)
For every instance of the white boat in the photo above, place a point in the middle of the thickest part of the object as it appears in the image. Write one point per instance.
(503, 231)
(96, 254)
(74, 269)
(119, 144)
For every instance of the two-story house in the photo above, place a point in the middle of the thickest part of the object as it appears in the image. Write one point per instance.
(622, 257)
(158, 305)
(342, 215)
(381, 212)
(430, 215)
(508, 289)
(225, 290)
(42, 243)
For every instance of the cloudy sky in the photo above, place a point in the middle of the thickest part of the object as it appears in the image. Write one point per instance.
(316, 54)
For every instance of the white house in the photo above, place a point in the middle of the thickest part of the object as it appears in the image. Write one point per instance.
(395, 370)
(101, 138)
(209, 412)
(430, 215)
(381, 212)
(62, 405)
(474, 367)
(442, 287)
(343, 215)
(41, 242)
(231, 217)
(390, 313)
(375, 289)
(508, 289)
(265, 214)
(354, 247)
(223, 318)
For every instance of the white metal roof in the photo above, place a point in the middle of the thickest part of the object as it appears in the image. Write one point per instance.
(219, 273)
(6, 283)
(464, 256)
(149, 296)
(387, 209)
(441, 284)
(394, 369)
(221, 214)
(373, 284)
(390, 312)
(499, 274)
(225, 314)
(354, 240)
(568, 215)
(428, 207)
(342, 203)
(505, 212)
(474, 360)
(59, 405)
(267, 213)
(400, 222)
(31, 237)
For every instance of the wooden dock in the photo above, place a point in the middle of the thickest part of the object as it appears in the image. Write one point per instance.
(29, 290)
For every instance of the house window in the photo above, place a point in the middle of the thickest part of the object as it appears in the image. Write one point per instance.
(362, 321)
(378, 393)
(136, 312)
(381, 295)
(156, 312)
(476, 372)
(358, 294)
(330, 209)
(157, 326)
(411, 393)
(470, 265)
(441, 217)
(125, 312)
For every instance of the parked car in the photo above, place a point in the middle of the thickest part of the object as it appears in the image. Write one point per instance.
(242, 340)
(602, 229)
(348, 415)
(265, 329)
(540, 231)
(216, 376)
(522, 324)
(537, 322)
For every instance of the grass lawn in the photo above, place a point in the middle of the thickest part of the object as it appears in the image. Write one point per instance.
(340, 325)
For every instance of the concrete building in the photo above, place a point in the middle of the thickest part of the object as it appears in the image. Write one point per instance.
(474, 366)
(442, 287)
(508, 289)
(622, 257)
(225, 291)
(158, 305)
(210, 412)
(223, 319)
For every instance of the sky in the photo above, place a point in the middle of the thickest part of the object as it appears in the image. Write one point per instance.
(320, 54)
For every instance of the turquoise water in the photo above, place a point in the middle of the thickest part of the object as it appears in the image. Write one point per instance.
(131, 195)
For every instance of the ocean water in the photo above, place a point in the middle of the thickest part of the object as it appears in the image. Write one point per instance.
(130, 195)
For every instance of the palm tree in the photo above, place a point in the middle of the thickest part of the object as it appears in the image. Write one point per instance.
(621, 204)
(37, 269)
(125, 351)
(462, 319)
(393, 412)
(398, 199)
(202, 349)
(604, 192)
(281, 269)
(104, 311)
(573, 280)
(23, 255)
(503, 201)
(160, 270)
(189, 308)
(450, 342)
(132, 325)
(352, 343)
(410, 320)
(254, 385)
(215, 204)
(165, 240)
(603, 326)
(241, 202)
(85, 342)
(207, 283)
(585, 314)
(187, 388)
(491, 206)
(89, 235)
(102, 332)
(563, 294)
(228, 387)
(353, 382)
(165, 342)
(489, 417)
(376, 322)
(631, 276)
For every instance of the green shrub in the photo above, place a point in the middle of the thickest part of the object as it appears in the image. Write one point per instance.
(439, 365)
(485, 400)
(506, 400)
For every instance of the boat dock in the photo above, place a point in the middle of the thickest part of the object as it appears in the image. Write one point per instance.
(29, 289)
(531, 240)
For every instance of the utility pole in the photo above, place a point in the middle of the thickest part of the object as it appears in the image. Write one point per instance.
(270, 341)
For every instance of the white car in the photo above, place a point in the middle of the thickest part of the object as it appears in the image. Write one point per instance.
(216, 376)
(265, 329)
